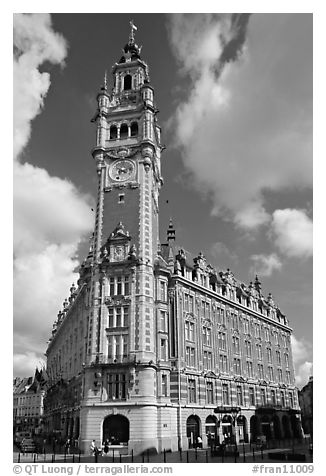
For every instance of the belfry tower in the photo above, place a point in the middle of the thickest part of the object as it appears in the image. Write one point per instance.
(120, 366)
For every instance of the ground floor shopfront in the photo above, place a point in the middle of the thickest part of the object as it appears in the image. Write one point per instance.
(151, 427)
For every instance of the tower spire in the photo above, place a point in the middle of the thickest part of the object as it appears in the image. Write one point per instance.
(105, 83)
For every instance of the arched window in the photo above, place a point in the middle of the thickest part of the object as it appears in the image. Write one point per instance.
(123, 131)
(127, 82)
(134, 129)
(113, 132)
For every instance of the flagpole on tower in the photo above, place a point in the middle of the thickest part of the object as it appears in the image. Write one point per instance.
(133, 29)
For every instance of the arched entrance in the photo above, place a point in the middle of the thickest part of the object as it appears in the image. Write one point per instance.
(211, 430)
(266, 427)
(227, 429)
(253, 428)
(277, 427)
(116, 429)
(242, 428)
(286, 427)
(193, 430)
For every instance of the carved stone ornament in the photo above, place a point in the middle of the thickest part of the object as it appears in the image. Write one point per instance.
(122, 152)
(189, 316)
(119, 253)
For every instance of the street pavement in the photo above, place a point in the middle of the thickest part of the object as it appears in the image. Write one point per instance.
(190, 456)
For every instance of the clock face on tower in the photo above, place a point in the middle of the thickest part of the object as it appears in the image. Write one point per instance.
(122, 170)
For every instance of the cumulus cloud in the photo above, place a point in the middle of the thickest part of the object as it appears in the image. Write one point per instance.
(302, 353)
(265, 265)
(51, 216)
(223, 256)
(244, 124)
(304, 371)
(34, 43)
(292, 232)
(25, 364)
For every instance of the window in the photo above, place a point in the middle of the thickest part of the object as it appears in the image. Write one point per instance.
(276, 338)
(127, 82)
(223, 363)
(207, 336)
(113, 132)
(236, 344)
(163, 349)
(270, 373)
(116, 386)
(260, 371)
(186, 301)
(273, 397)
(239, 396)
(164, 385)
(222, 340)
(251, 396)
(280, 375)
(248, 347)
(267, 336)
(236, 366)
(225, 394)
(117, 347)
(207, 360)
(191, 390)
(291, 399)
(209, 392)
(163, 323)
(191, 303)
(246, 326)
(189, 329)
(269, 355)
(263, 396)
(134, 129)
(286, 360)
(118, 317)
(282, 398)
(235, 322)
(119, 285)
(163, 291)
(278, 357)
(257, 330)
(121, 198)
(123, 131)
(259, 352)
(288, 376)
(222, 316)
(190, 356)
(249, 368)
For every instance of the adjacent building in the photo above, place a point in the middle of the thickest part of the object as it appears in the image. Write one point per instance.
(154, 346)
(28, 398)
(306, 405)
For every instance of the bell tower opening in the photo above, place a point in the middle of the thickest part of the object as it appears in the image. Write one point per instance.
(127, 82)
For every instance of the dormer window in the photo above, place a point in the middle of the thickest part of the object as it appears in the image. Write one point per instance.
(134, 129)
(113, 132)
(124, 131)
(127, 82)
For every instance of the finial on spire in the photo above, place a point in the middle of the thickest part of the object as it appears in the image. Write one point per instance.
(133, 29)
(105, 84)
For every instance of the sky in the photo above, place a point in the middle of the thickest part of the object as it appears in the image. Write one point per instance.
(235, 99)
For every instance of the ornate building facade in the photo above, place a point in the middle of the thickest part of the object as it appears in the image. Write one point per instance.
(155, 347)
(28, 404)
